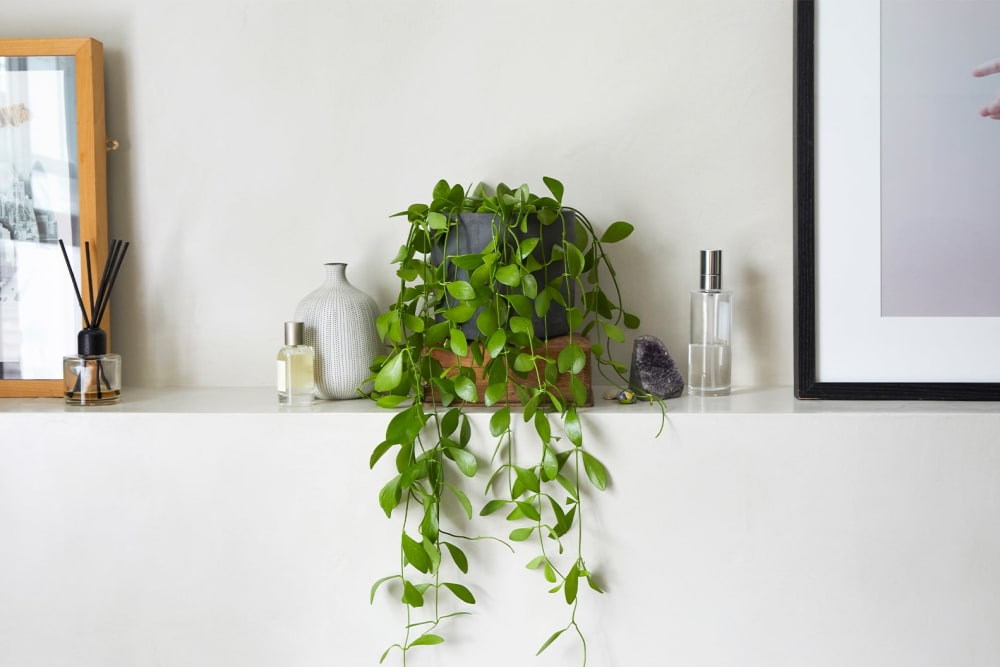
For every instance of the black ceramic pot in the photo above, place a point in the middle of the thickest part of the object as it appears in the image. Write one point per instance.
(475, 231)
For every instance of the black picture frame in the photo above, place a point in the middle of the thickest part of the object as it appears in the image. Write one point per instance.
(807, 383)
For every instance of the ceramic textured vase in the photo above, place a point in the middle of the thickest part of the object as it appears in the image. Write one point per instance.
(340, 326)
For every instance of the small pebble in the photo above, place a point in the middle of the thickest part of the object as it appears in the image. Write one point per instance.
(626, 397)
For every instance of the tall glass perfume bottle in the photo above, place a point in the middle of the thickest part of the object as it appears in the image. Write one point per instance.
(296, 368)
(709, 355)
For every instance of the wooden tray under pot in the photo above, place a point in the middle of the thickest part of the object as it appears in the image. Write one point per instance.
(552, 348)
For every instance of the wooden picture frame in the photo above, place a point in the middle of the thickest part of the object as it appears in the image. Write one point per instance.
(848, 343)
(48, 83)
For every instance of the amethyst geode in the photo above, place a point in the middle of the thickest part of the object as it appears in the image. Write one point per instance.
(654, 370)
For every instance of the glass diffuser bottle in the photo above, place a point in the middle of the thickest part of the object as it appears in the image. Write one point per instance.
(93, 376)
(296, 368)
(709, 355)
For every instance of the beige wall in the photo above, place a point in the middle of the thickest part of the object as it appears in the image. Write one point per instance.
(261, 139)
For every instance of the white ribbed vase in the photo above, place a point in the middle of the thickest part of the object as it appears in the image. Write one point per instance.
(340, 326)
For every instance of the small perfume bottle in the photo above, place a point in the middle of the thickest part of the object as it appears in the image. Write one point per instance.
(296, 364)
(709, 357)
(92, 377)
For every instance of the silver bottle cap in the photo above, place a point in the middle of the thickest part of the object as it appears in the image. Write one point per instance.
(711, 269)
(294, 333)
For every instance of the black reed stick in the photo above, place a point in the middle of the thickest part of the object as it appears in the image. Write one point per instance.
(111, 285)
(90, 281)
(109, 276)
(72, 277)
(108, 263)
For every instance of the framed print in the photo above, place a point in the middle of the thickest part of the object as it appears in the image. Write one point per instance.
(52, 188)
(897, 199)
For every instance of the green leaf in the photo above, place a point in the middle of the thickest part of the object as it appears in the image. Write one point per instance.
(390, 495)
(574, 260)
(492, 506)
(495, 393)
(521, 534)
(574, 430)
(550, 464)
(532, 406)
(465, 461)
(570, 488)
(379, 451)
(596, 472)
(542, 427)
(631, 321)
(572, 358)
(527, 246)
(616, 232)
(519, 324)
(556, 188)
(487, 322)
(457, 343)
(496, 342)
(459, 314)
(458, 556)
(571, 584)
(427, 639)
(529, 286)
(461, 290)
(375, 586)
(527, 478)
(574, 318)
(613, 332)
(528, 511)
(392, 400)
(548, 642)
(449, 423)
(521, 304)
(461, 592)
(463, 499)
(389, 376)
(524, 362)
(542, 304)
(467, 262)
(534, 563)
(578, 390)
(436, 220)
(550, 573)
(412, 596)
(500, 422)
(466, 389)
(415, 554)
(509, 275)
(437, 333)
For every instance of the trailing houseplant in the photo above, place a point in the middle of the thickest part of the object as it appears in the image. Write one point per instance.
(473, 323)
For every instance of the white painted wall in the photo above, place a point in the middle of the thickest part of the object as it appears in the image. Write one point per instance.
(261, 139)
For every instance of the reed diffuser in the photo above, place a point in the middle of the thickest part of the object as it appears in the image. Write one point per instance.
(93, 376)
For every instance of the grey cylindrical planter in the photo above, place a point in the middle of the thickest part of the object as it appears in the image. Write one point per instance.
(475, 231)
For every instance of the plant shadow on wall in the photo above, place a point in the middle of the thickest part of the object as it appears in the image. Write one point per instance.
(500, 293)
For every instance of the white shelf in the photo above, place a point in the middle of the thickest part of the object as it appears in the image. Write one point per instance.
(261, 400)
(211, 526)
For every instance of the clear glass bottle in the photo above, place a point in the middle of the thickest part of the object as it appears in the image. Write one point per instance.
(93, 376)
(709, 354)
(296, 368)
